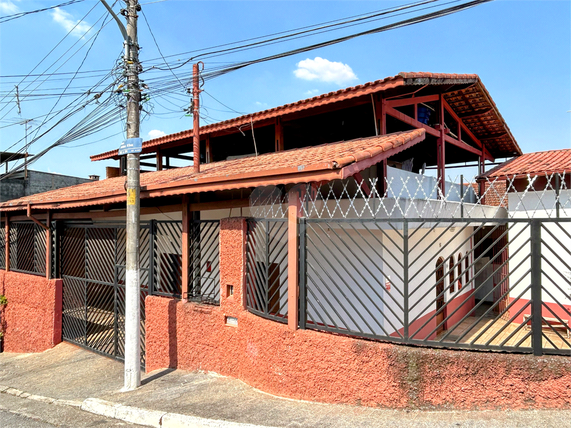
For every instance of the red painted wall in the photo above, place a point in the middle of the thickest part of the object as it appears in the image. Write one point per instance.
(562, 311)
(318, 366)
(32, 317)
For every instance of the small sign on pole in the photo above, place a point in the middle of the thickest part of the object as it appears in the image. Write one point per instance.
(131, 145)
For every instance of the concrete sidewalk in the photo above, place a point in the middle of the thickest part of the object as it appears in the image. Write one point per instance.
(177, 398)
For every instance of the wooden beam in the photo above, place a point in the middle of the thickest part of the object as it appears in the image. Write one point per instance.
(35, 220)
(412, 100)
(462, 145)
(279, 135)
(152, 165)
(185, 246)
(475, 113)
(159, 160)
(467, 131)
(410, 121)
(183, 157)
(208, 154)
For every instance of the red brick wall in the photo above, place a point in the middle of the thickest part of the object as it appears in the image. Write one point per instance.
(32, 318)
(317, 366)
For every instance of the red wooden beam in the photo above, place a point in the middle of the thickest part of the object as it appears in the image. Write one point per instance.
(412, 100)
(35, 220)
(462, 145)
(467, 131)
(279, 135)
(410, 121)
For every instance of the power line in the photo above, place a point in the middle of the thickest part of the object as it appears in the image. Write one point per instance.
(7, 18)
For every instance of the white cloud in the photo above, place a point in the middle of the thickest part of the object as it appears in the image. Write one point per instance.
(323, 70)
(8, 7)
(311, 92)
(155, 133)
(66, 20)
(262, 105)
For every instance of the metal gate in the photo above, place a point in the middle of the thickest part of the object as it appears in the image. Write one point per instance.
(91, 262)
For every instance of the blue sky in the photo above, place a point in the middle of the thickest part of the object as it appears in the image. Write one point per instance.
(520, 49)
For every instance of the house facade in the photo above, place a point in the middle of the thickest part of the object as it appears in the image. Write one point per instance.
(311, 256)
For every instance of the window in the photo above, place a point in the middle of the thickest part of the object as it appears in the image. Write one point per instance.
(459, 271)
(451, 273)
(467, 269)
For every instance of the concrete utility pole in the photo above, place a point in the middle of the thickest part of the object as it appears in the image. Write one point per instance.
(132, 279)
(196, 116)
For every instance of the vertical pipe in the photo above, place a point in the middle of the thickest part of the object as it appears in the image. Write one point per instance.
(405, 277)
(536, 321)
(293, 264)
(462, 194)
(302, 274)
(185, 247)
(196, 118)
(152, 235)
(557, 192)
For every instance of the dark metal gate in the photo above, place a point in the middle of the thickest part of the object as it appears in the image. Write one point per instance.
(91, 263)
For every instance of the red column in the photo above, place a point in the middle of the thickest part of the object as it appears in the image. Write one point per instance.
(293, 259)
(441, 153)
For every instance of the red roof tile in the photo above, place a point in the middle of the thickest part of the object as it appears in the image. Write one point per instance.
(477, 99)
(324, 162)
(537, 163)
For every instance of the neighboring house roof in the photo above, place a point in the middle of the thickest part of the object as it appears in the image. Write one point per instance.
(473, 104)
(317, 163)
(537, 163)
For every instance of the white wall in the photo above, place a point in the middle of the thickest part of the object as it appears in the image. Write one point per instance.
(356, 274)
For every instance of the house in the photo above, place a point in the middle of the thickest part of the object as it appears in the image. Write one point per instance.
(537, 185)
(28, 182)
(309, 244)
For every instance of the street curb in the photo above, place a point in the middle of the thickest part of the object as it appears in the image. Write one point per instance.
(135, 415)
(154, 418)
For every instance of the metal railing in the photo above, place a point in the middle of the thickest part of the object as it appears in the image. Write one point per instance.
(27, 248)
(91, 263)
(267, 268)
(204, 262)
(473, 284)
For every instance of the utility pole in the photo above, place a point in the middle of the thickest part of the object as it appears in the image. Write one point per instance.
(132, 278)
(196, 116)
